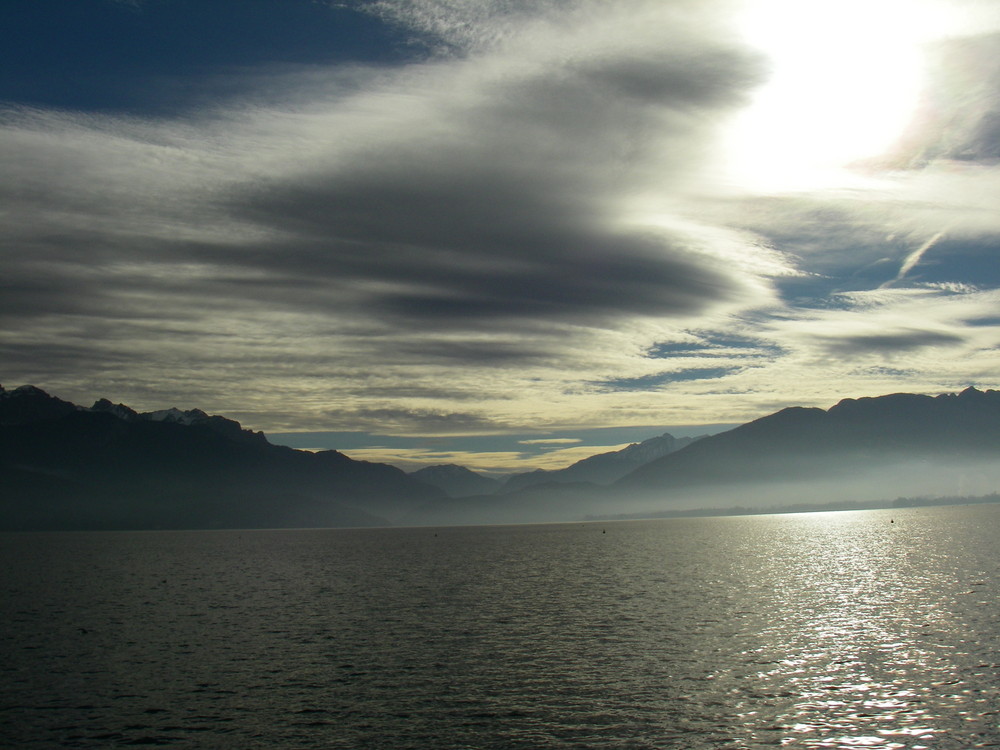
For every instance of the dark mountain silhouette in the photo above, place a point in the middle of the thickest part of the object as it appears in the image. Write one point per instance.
(63, 466)
(859, 451)
(603, 468)
(30, 404)
(456, 481)
(884, 437)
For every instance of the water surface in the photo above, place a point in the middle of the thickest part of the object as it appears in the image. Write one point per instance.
(829, 630)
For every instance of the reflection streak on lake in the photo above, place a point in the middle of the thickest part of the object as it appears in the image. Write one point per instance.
(877, 631)
(832, 630)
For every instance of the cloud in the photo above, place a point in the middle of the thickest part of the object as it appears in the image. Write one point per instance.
(652, 382)
(959, 114)
(489, 461)
(520, 227)
(550, 441)
(396, 421)
(889, 342)
(411, 459)
(489, 190)
(913, 258)
(383, 227)
(919, 336)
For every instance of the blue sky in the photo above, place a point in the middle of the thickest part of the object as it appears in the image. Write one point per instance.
(169, 56)
(437, 229)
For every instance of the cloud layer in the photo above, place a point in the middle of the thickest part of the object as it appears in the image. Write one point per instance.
(522, 227)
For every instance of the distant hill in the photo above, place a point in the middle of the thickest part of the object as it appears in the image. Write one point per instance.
(64, 466)
(900, 440)
(858, 451)
(456, 481)
(603, 468)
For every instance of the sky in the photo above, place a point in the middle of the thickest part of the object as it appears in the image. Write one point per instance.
(499, 233)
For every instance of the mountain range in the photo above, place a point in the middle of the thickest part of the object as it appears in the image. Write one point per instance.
(860, 450)
(64, 466)
(855, 436)
(457, 481)
(602, 469)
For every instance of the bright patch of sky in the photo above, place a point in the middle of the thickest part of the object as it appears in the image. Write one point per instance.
(845, 81)
(468, 220)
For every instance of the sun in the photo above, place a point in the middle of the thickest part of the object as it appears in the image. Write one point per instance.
(844, 80)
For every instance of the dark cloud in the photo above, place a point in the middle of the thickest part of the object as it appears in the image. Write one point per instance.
(666, 75)
(473, 353)
(497, 207)
(596, 290)
(888, 343)
(653, 382)
(516, 218)
(716, 343)
(508, 214)
(34, 292)
(415, 421)
(47, 360)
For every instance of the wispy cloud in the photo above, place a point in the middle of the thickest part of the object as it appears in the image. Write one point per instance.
(913, 258)
(523, 225)
(489, 462)
(550, 441)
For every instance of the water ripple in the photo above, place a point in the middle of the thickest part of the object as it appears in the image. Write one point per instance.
(809, 631)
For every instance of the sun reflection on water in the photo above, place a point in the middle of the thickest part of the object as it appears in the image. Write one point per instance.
(862, 645)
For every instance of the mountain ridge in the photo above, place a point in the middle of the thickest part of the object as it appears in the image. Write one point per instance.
(65, 466)
(860, 434)
(859, 450)
(107, 466)
(456, 481)
(602, 468)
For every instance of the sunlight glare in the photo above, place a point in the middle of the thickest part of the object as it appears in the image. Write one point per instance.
(844, 79)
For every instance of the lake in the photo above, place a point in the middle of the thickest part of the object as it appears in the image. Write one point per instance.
(876, 629)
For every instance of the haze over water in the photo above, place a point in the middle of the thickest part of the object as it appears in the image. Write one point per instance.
(828, 630)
